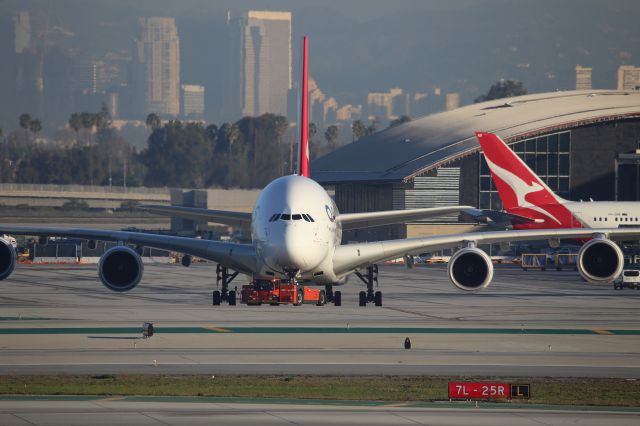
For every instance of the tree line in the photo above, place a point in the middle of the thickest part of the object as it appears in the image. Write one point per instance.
(246, 154)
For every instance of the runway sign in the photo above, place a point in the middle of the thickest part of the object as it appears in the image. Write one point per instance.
(479, 390)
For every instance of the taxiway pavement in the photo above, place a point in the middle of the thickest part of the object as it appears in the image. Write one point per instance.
(559, 326)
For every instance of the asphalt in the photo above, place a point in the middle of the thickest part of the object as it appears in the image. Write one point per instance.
(59, 319)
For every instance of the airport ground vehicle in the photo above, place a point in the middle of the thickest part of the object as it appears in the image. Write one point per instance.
(630, 278)
(276, 291)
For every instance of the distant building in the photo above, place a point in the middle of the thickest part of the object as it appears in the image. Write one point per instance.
(22, 31)
(159, 66)
(583, 78)
(628, 77)
(192, 101)
(381, 104)
(453, 101)
(349, 113)
(266, 62)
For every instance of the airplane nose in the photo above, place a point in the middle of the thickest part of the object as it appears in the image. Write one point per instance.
(299, 251)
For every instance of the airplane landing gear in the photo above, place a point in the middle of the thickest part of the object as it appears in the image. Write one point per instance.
(224, 295)
(333, 296)
(369, 279)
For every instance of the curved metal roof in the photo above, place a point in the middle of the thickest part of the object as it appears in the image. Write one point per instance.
(410, 149)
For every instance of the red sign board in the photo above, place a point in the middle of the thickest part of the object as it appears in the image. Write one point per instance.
(479, 390)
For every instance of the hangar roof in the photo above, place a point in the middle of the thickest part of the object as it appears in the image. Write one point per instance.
(413, 148)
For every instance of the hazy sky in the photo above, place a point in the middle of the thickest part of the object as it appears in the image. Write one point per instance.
(359, 46)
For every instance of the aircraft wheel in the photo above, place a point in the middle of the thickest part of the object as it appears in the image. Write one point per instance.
(299, 298)
(378, 298)
(362, 299)
(337, 298)
(231, 297)
(216, 298)
(322, 298)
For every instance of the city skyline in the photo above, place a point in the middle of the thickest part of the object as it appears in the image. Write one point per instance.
(55, 75)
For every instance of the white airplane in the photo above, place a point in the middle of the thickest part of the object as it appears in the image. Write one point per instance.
(296, 234)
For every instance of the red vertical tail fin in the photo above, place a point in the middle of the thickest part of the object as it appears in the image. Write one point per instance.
(522, 192)
(303, 160)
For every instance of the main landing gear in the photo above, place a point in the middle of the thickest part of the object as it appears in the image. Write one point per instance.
(370, 277)
(224, 295)
(334, 297)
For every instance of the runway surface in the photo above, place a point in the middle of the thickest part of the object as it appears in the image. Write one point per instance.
(60, 319)
(166, 412)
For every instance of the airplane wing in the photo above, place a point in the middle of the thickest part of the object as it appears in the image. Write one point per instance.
(350, 257)
(500, 216)
(240, 257)
(389, 217)
(217, 216)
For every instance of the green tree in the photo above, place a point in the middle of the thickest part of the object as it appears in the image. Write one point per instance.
(373, 126)
(503, 89)
(103, 118)
(400, 120)
(153, 121)
(331, 135)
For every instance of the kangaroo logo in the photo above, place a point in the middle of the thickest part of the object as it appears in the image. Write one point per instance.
(520, 188)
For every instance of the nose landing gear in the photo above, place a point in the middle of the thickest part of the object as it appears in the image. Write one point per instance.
(369, 278)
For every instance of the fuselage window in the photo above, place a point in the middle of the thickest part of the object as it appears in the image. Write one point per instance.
(296, 217)
(285, 217)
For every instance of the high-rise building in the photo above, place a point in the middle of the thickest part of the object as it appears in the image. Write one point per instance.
(159, 66)
(628, 77)
(583, 78)
(192, 101)
(22, 31)
(266, 62)
(452, 101)
(380, 104)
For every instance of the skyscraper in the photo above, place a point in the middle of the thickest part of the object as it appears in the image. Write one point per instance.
(22, 31)
(266, 62)
(159, 66)
(628, 77)
(192, 101)
(583, 78)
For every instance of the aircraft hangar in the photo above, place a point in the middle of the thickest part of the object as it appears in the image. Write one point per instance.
(584, 144)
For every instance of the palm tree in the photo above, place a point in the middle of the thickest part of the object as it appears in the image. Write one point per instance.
(359, 129)
(331, 135)
(35, 126)
(24, 120)
(75, 122)
(153, 121)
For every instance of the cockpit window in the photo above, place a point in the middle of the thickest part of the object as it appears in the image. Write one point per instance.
(274, 217)
(296, 217)
(310, 218)
(285, 217)
(305, 217)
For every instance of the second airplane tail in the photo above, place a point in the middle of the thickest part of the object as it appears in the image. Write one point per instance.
(521, 191)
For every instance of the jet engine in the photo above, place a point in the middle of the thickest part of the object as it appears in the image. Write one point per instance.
(600, 261)
(120, 268)
(7, 259)
(470, 269)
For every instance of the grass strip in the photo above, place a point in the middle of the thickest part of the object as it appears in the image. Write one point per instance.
(555, 391)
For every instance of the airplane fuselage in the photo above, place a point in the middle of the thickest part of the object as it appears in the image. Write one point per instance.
(589, 214)
(295, 229)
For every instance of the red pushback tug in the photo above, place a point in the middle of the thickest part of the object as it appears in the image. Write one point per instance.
(276, 291)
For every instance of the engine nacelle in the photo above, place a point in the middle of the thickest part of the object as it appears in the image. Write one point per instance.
(470, 269)
(7, 258)
(600, 261)
(120, 268)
